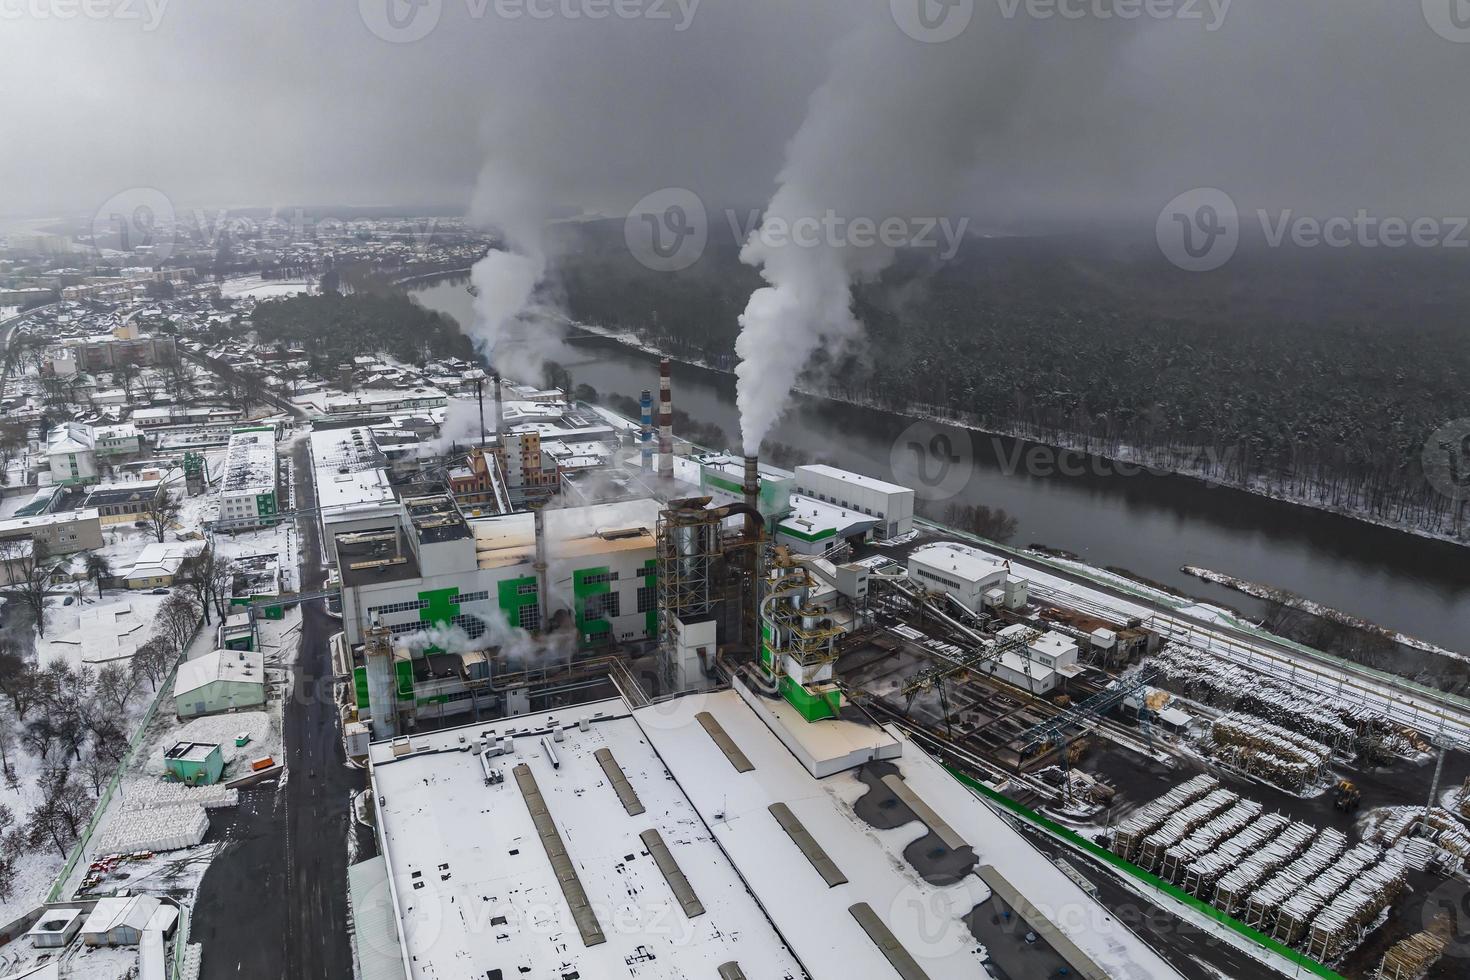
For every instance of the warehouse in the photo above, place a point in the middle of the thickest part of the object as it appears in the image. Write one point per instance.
(963, 572)
(891, 504)
(607, 849)
(225, 680)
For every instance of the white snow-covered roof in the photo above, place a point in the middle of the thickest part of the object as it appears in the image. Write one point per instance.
(238, 666)
(133, 912)
(962, 561)
(856, 479)
(925, 919)
(475, 891)
(160, 558)
(812, 516)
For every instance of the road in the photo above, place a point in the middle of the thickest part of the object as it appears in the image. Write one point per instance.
(285, 864)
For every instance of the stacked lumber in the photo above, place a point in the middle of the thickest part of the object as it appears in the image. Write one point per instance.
(1267, 901)
(1233, 890)
(1437, 824)
(1208, 837)
(1129, 834)
(1202, 678)
(1299, 911)
(1280, 756)
(1341, 925)
(1182, 824)
(1202, 874)
(1411, 957)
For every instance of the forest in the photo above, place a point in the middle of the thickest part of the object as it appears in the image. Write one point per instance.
(333, 328)
(1313, 375)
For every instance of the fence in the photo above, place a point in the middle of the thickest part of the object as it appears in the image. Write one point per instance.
(79, 850)
(1102, 854)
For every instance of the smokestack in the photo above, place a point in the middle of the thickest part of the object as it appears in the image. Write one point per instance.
(645, 435)
(752, 485)
(539, 524)
(665, 420)
(499, 415)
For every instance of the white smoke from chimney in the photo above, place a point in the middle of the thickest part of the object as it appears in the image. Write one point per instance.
(889, 135)
(516, 332)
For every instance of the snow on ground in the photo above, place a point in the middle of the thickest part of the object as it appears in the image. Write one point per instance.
(256, 288)
(1259, 591)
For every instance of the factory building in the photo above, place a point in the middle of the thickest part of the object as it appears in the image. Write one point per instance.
(975, 579)
(249, 492)
(892, 505)
(439, 569)
(225, 680)
(442, 588)
(587, 811)
(721, 477)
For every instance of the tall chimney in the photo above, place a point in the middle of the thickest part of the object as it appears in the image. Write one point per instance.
(499, 414)
(645, 435)
(752, 485)
(665, 420)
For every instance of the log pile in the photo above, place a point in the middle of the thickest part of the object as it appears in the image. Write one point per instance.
(1278, 755)
(1261, 910)
(1342, 924)
(1129, 834)
(1202, 874)
(1438, 825)
(1297, 915)
(1181, 825)
(1410, 958)
(1233, 890)
(1208, 837)
(1207, 680)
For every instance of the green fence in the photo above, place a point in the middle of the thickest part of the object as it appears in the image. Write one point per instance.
(1078, 842)
(165, 691)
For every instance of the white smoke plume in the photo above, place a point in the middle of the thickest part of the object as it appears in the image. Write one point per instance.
(461, 426)
(889, 135)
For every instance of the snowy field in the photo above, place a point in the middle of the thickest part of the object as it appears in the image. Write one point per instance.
(256, 288)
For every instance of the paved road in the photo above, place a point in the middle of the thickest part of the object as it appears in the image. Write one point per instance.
(275, 903)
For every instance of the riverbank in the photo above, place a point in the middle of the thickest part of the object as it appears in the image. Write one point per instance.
(1270, 594)
(1123, 461)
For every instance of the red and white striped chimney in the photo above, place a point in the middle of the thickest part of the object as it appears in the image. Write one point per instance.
(665, 420)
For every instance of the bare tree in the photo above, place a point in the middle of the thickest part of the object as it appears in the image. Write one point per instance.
(30, 567)
(177, 621)
(201, 575)
(115, 688)
(58, 818)
(98, 769)
(162, 513)
(17, 680)
(152, 660)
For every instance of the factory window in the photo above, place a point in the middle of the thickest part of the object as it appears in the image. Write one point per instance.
(603, 606)
(474, 597)
(530, 617)
(647, 599)
(526, 588)
(397, 607)
(600, 578)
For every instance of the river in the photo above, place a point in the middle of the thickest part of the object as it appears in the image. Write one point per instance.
(1150, 524)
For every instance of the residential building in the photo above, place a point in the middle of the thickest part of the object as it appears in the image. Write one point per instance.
(62, 533)
(71, 454)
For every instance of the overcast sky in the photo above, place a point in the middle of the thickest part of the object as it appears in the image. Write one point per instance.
(1319, 105)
